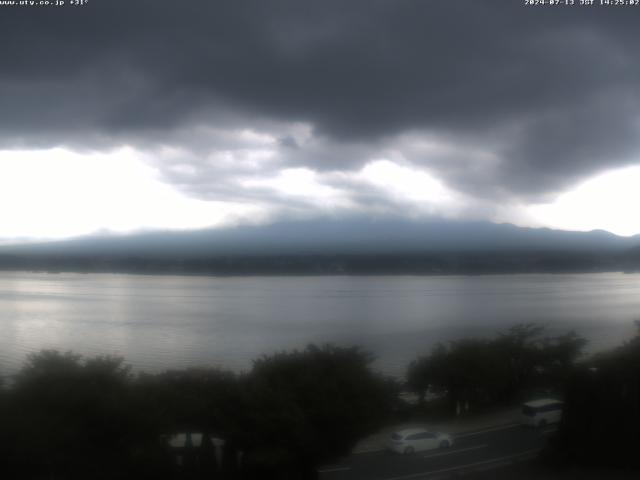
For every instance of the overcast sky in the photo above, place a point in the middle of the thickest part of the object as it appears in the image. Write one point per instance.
(123, 115)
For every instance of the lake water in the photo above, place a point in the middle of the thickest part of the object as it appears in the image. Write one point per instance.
(159, 322)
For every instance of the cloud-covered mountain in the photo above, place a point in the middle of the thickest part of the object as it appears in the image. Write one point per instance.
(331, 237)
(330, 246)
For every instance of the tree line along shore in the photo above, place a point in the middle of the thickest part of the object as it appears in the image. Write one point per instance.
(471, 262)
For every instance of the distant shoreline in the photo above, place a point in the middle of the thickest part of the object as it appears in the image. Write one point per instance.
(435, 265)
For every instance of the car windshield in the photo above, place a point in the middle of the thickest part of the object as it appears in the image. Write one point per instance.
(529, 411)
(396, 436)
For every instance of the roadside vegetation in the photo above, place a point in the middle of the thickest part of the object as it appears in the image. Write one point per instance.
(474, 373)
(601, 423)
(64, 416)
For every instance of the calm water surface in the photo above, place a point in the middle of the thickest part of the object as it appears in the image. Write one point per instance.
(159, 322)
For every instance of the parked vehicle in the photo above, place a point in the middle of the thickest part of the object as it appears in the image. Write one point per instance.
(539, 413)
(412, 440)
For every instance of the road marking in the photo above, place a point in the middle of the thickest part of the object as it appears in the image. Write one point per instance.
(462, 467)
(487, 430)
(336, 469)
(451, 452)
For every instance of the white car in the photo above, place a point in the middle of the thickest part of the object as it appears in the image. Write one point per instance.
(412, 440)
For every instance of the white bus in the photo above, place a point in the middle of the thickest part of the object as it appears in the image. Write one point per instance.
(539, 413)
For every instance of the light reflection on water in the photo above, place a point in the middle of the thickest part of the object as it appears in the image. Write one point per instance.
(159, 322)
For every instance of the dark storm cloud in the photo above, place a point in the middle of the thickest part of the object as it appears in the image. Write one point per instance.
(551, 93)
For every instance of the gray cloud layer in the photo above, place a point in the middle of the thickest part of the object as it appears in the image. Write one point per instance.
(532, 98)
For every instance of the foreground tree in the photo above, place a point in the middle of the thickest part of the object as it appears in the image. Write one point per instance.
(69, 417)
(195, 399)
(74, 418)
(601, 420)
(311, 406)
(203, 401)
(473, 372)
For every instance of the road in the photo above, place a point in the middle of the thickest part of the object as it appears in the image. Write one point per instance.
(472, 450)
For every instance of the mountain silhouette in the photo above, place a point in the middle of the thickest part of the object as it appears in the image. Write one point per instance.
(329, 246)
(332, 236)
